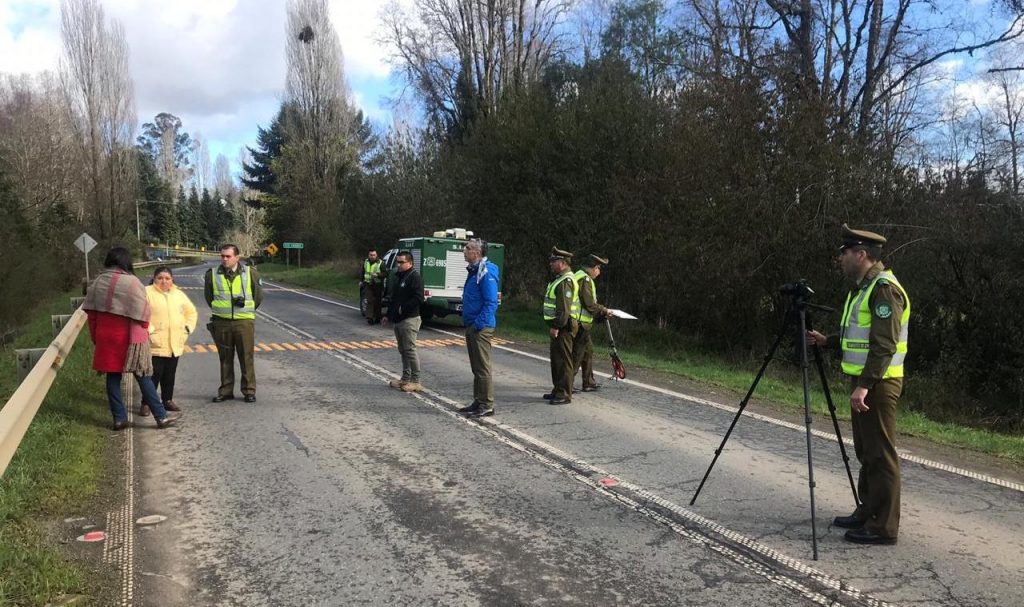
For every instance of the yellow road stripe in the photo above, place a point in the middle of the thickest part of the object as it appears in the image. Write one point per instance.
(302, 346)
(382, 344)
(326, 345)
(188, 349)
(311, 345)
(211, 347)
(290, 347)
(200, 348)
(340, 346)
(277, 347)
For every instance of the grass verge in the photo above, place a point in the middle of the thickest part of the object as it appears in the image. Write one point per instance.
(644, 346)
(56, 469)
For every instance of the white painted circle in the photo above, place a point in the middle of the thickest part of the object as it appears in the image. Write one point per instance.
(152, 519)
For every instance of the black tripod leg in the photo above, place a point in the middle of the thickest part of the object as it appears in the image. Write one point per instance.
(743, 405)
(835, 423)
(804, 363)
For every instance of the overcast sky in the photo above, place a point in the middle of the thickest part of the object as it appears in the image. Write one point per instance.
(217, 64)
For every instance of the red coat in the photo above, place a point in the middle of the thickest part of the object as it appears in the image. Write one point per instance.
(110, 334)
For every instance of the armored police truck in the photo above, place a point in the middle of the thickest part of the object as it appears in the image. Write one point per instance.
(440, 262)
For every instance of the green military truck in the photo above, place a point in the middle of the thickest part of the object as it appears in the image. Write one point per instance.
(440, 262)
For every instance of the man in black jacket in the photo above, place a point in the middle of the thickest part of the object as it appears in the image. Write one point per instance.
(404, 313)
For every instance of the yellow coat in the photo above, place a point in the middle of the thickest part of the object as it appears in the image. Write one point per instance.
(172, 320)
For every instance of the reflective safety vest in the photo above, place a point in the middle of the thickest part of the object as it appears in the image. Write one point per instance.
(223, 292)
(369, 269)
(585, 316)
(552, 296)
(856, 329)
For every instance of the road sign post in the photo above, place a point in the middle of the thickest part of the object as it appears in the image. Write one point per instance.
(85, 243)
(288, 246)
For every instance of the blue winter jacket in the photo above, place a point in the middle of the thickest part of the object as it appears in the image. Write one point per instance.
(480, 296)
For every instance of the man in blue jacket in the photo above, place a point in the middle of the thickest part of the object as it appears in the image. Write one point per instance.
(479, 308)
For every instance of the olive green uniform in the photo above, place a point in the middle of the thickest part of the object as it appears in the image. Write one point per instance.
(562, 368)
(583, 344)
(234, 337)
(874, 431)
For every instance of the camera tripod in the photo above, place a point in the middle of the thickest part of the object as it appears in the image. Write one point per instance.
(796, 318)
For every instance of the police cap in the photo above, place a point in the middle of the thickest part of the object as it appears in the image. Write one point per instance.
(860, 238)
(593, 261)
(557, 253)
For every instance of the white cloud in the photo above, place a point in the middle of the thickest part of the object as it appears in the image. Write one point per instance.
(217, 64)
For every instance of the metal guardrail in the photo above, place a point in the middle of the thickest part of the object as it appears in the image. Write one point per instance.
(21, 408)
(173, 261)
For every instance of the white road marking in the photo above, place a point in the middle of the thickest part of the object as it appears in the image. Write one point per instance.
(905, 455)
(700, 530)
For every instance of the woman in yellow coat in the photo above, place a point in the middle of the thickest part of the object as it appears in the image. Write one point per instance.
(172, 320)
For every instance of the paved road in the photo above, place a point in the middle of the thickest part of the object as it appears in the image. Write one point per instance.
(335, 490)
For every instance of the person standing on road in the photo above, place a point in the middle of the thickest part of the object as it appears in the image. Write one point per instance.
(372, 283)
(119, 315)
(172, 321)
(590, 310)
(404, 314)
(561, 313)
(479, 310)
(233, 291)
(873, 341)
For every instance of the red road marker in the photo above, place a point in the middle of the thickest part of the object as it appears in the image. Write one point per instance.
(93, 536)
(609, 481)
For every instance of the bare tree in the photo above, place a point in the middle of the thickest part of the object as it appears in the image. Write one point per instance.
(222, 179)
(101, 102)
(36, 144)
(854, 55)
(202, 175)
(170, 147)
(464, 56)
(316, 85)
(1008, 110)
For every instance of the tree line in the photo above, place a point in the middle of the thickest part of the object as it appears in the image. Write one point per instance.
(73, 160)
(711, 149)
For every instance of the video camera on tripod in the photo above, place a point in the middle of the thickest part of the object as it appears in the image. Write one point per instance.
(796, 320)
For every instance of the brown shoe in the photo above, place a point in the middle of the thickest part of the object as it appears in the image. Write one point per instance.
(171, 406)
(412, 386)
(143, 410)
(169, 420)
(398, 384)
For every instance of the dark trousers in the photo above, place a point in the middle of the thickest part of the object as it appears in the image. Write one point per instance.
(235, 338)
(562, 363)
(373, 297)
(478, 344)
(583, 354)
(164, 370)
(874, 441)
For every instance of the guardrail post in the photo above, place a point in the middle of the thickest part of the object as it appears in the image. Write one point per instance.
(57, 321)
(76, 302)
(26, 360)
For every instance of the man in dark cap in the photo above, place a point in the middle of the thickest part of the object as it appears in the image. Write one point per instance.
(873, 340)
(590, 310)
(561, 313)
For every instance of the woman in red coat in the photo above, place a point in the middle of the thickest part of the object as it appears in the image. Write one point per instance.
(118, 319)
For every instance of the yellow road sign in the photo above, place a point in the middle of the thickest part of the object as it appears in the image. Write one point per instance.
(272, 249)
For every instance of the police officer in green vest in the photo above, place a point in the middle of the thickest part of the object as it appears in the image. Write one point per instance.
(373, 282)
(561, 313)
(873, 340)
(590, 310)
(233, 292)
